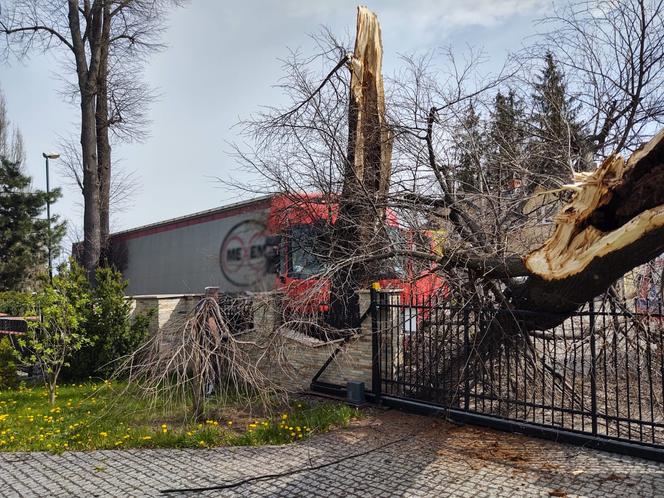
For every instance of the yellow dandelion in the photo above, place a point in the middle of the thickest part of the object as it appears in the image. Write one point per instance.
(103, 434)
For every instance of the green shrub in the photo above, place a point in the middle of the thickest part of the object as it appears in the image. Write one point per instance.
(58, 334)
(109, 327)
(16, 303)
(8, 377)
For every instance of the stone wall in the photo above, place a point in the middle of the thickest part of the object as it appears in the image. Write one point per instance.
(299, 356)
(169, 312)
(303, 356)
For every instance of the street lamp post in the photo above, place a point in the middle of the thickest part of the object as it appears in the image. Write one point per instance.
(47, 156)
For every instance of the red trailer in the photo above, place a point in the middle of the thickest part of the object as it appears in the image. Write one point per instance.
(263, 244)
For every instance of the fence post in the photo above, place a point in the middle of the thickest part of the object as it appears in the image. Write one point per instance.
(593, 368)
(466, 345)
(375, 347)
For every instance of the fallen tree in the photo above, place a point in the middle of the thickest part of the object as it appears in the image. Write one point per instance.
(518, 206)
(370, 153)
(613, 223)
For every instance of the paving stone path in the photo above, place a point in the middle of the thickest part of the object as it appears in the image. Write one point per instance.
(384, 454)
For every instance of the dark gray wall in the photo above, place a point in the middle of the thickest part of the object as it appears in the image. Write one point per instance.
(187, 259)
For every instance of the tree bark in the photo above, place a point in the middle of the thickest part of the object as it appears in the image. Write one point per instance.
(103, 142)
(87, 74)
(614, 222)
(367, 172)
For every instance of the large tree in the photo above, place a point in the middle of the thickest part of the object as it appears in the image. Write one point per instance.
(469, 151)
(506, 142)
(105, 42)
(613, 50)
(559, 141)
(609, 221)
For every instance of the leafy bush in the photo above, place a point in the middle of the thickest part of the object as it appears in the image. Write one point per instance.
(105, 326)
(109, 327)
(8, 377)
(60, 331)
(16, 303)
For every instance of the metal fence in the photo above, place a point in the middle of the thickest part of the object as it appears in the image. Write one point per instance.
(597, 374)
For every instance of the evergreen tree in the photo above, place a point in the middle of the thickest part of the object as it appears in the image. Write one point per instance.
(558, 138)
(468, 145)
(24, 234)
(507, 138)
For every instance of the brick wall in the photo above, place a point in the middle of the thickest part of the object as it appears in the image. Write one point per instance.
(299, 357)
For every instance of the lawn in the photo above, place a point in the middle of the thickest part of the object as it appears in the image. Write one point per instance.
(92, 416)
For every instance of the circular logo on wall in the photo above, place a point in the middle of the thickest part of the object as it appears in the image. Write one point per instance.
(241, 255)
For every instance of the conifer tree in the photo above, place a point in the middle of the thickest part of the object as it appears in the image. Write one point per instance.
(24, 233)
(469, 149)
(507, 138)
(558, 137)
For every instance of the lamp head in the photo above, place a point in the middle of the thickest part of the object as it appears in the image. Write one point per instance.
(50, 155)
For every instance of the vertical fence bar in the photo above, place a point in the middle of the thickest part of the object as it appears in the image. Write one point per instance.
(466, 345)
(593, 369)
(375, 348)
(597, 364)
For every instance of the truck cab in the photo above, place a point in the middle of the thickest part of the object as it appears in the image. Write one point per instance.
(299, 256)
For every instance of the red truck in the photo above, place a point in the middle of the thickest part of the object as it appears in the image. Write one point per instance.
(258, 245)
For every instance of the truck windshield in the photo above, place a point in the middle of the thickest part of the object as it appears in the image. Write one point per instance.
(309, 246)
(398, 243)
(306, 246)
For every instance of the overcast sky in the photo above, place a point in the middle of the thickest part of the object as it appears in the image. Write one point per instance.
(221, 64)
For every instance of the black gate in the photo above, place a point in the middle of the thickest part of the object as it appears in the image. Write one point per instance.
(595, 379)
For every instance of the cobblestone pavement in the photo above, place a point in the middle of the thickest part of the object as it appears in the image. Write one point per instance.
(384, 454)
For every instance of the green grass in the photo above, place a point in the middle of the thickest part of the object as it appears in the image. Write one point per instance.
(107, 416)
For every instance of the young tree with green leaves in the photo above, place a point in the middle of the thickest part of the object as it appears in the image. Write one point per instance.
(60, 331)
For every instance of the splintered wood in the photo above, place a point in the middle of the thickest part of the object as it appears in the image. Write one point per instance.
(371, 141)
(591, 226)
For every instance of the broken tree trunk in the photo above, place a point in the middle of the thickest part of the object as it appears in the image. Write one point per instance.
(366, 172)
(613, 223)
